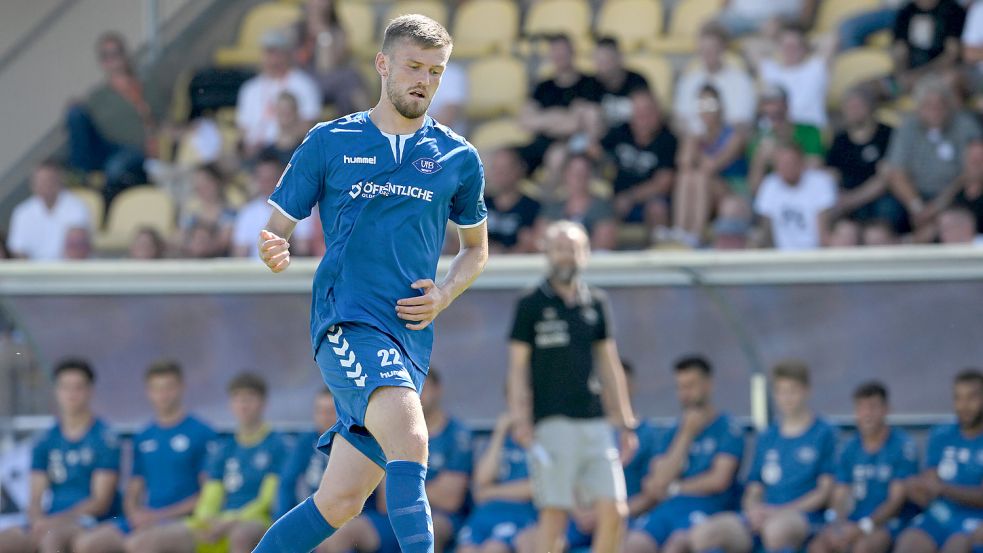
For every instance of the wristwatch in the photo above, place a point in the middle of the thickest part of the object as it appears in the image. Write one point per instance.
(672, 490)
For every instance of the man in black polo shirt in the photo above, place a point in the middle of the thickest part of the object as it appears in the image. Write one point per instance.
(560, 330)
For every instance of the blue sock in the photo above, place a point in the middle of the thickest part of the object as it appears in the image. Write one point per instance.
(977, 548)
(302, 529)
(409, 510)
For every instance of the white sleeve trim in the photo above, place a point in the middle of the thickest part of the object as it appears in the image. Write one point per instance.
(485, 218)
(283, 211)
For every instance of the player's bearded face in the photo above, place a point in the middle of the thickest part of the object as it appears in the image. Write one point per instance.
(414, 75)
(411, 103)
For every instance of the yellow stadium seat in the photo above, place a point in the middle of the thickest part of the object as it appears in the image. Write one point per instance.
(657, 70)
(94, 201)
(475, 37)
(684, 26)
(500, 133)
(499, 86)
(833, 12)
(632, 22)
(257, 21)
(358, 19)
(854, 67)
(550, 17)
(434, 9)
(134, 208)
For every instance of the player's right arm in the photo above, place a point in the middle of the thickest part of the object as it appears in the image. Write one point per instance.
(520, 391)
(274, 249)
(39, 485)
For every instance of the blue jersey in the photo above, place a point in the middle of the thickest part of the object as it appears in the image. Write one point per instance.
(648, 447)
(241, 468)
(870, 473)
(958, 460)
(171, 460)
(511, 467)
(451, 451)
(301, 473)
(384, 203)
(790, 467)
(721, 437)
(69, 465)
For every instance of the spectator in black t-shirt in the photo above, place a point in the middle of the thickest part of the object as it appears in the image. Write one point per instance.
(927, 37)
(617, 82)
(512, 215)
(644, 154)
(966, 191)
(856, 156)
(562, 107)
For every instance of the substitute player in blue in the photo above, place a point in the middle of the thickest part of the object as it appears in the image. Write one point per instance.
(301, 474)
(951, 486)
(168, 468)
(695, 474)
(385, 182)
(75, 463)
(868, 507)
(790, 482)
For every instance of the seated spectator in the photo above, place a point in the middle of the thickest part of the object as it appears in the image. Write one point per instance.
(743, 17)
(845, 233)
(774, 126)
(712, 167)
(448, 102)
(78, 244)
(292, 129)
(735, 86)
(324, 53)
(256, 107)
(114, 129)
(618, 84)
(926, 41)
(304, 466)
(855, 158)
(204, 241)
(208, 208)
(969, 184)
(577, 202)
(512, 216)
(39, 224)
(732, 227)
(794, 201)
(235, 503)
(868, 505)
(957, 225)
(856, 29)
(804, 76)
(879, 233)
(644, 154)
(972, 49)
(946, 520)
(561, 107)
(168, 462)
(926, 153)
(74, 470)
(253, 216)
(147, 244)
(791, 478)
(695, 474)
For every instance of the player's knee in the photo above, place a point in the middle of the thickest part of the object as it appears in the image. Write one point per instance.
(611, 512)
(338, 506)
(639, 542)
(783, 533)
(245, 536)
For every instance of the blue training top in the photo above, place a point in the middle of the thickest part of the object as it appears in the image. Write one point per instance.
(172, 459)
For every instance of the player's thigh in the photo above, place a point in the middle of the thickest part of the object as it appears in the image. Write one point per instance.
(244, 536)
(105, 538)
(15, 540)
(878, 541)
(59, 538)
(959, 542)
(395, 418)
(348, 480)
(602, 476)
(494, 546)
(785, 529)
(915, 540)
(639, 541)
(722, 531)
(176, 537)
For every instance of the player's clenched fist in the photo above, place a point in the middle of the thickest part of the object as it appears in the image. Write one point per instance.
(274, 251)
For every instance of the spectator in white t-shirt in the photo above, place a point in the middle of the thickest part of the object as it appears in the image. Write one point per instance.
(255, 213)
(256, 107)
(794, 201)
(804, 75)
(737, 92)
(972, 46)
(447, 106)
(742, 17)
(39, 224)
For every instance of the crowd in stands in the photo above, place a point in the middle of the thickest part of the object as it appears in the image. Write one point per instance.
(758, 147)
(806, 488)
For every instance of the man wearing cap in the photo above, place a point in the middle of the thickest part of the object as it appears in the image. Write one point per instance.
(256, 105)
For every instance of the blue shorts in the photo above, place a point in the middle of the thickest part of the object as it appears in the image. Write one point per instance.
(941, 528)
(356, 359)
(387, 538)
(497, 521)
(661, 522)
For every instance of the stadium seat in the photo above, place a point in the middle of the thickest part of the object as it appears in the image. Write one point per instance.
(657, 70)
(134, 208)
(854, 67)
(632, 22)
(499, 86)
(684, 26)
(257, 21)
(474, 37)
(499, 133)
(833, 12)
(358, 19)
(434, 9)
(95, 202)
(550, 17)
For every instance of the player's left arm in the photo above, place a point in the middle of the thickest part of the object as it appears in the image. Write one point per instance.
(967, 496)
(891, 506)
(101, 494)
(718, 479)
(448, 491)
(614, 383)
(816, 499)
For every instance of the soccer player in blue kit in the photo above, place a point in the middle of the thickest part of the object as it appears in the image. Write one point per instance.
(302, 472)
(951, 486)
(385, 182)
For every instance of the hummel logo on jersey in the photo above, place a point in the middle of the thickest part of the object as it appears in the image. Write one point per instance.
(364, 160)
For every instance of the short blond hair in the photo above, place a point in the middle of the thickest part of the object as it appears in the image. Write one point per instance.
(419, 29)
(791, 369)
